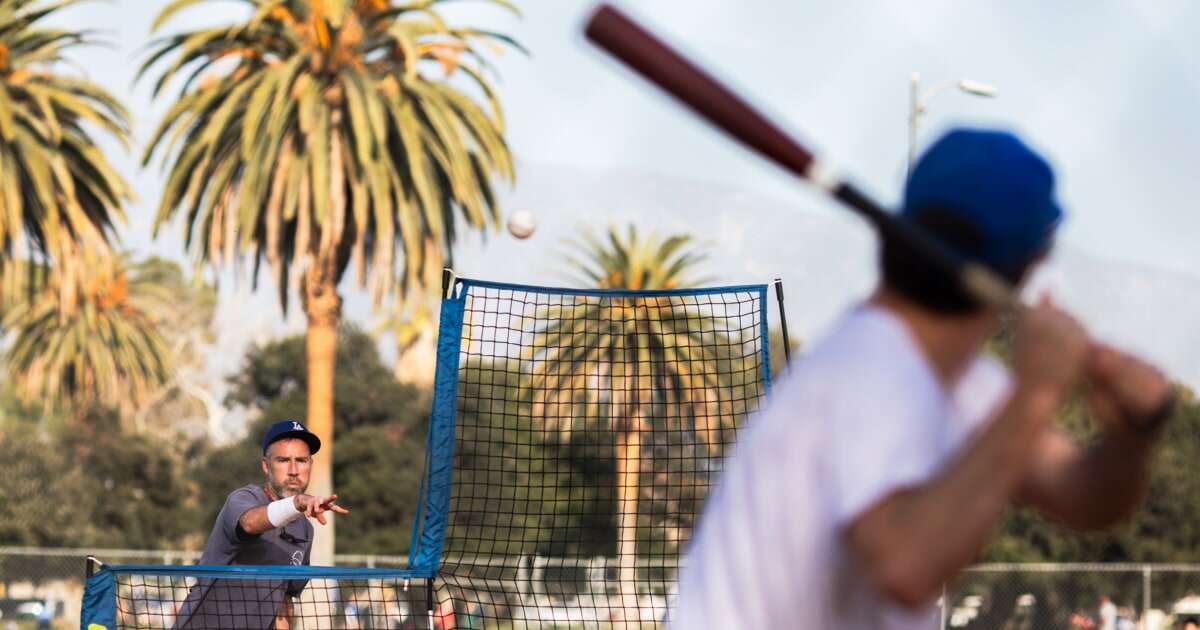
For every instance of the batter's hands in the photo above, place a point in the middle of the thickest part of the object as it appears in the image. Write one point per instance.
(316, 507)
(1050, 348)
(1123, 388)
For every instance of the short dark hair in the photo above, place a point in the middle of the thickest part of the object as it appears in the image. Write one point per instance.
(915, 278)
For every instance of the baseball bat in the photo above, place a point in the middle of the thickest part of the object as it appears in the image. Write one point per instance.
(665, 67)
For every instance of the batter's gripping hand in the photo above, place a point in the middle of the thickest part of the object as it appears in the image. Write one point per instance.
(1123, 388)
(1050, 347)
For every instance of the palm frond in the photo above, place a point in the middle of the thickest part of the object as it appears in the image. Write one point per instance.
(603, 363)
(61, 196)
(106, 350)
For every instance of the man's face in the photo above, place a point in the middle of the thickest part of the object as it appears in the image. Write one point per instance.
(287, 465)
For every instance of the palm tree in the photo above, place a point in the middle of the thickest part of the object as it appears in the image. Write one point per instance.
(78, 335)
(323, 133)
(630, 363)
(106, 350)
(59, 195)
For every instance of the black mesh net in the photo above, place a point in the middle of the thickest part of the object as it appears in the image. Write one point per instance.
(590, 426)
(180, 601)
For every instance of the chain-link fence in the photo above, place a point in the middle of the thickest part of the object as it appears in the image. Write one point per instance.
(1051, 596)
(42, 588)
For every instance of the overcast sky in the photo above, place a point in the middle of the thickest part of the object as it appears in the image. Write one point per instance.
(1108, 90)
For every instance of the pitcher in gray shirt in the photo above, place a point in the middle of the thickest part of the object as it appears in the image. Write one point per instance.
(262, 525)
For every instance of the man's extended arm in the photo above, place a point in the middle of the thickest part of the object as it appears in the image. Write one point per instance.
(915, 539)
(256, 520)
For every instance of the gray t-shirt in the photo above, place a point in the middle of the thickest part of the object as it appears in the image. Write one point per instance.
(229, 544)
(241, 604)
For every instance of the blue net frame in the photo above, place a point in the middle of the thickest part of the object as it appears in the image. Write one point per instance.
(574, 436)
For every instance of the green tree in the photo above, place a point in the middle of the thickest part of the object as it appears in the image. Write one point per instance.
(383, 423)
(623, 366)
(521, 492)
(325, 133)
(59, 196)
(86, 483)
(134, 481)
(40, 495)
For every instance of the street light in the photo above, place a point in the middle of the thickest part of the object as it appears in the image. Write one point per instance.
(918, 101)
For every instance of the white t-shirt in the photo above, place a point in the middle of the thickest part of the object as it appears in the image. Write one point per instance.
(860, 417)
(1108, 616)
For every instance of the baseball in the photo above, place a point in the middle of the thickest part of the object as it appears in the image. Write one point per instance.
(521, 224)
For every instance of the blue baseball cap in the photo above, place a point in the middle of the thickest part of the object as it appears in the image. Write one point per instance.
(996, 183)
(291, 429)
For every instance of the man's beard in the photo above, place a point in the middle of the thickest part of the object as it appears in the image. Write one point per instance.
(282, 491)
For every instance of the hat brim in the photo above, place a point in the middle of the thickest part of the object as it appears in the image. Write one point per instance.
(314, 442)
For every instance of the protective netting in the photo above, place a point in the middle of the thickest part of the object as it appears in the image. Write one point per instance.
(588, 429)
(192, 598)
(574, 437)
(1028, 596)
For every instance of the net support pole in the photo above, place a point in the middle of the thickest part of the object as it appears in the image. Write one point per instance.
(787, 345)
(429, 600)
(1146, 599)
(945, 602)
(447, 281)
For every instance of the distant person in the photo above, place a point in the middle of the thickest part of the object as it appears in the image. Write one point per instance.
(262, 524)
(1125, 619)
(443, 617)
(883, 463)
(45, 615)
(1108, 614)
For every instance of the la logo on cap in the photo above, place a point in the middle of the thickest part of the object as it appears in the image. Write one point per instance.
(296, 426)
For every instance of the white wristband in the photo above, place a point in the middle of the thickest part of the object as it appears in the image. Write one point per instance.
(282, 512)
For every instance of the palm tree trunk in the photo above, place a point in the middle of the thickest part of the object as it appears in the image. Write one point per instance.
(323, 307)
(629, 457)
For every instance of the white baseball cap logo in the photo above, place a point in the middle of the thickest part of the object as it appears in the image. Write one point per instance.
(296, 426)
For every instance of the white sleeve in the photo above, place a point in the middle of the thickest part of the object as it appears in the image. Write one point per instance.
(883, 439)
(982, 392)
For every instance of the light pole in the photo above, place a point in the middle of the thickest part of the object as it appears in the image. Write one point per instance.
(917, 102)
